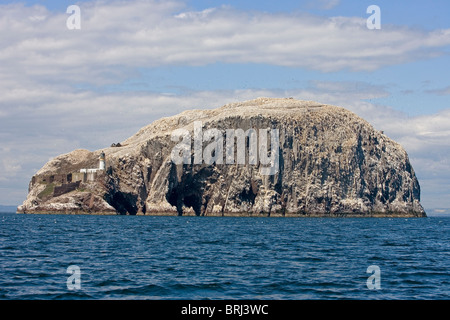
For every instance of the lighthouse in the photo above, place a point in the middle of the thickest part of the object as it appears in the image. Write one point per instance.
(101, 162)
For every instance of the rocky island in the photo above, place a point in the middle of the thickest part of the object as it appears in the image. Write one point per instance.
(264, 157)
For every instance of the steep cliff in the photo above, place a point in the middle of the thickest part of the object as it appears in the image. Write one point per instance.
(301, 158)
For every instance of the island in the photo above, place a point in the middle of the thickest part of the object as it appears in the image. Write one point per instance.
(277, 157)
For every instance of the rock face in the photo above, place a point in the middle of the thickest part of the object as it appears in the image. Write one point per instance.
(324, 161)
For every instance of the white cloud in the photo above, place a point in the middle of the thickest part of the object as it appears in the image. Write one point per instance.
(9, 168)
(328, 4)
(119, 34)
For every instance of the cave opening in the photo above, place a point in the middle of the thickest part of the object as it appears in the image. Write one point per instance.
(193, 202)
(175, 198)
(125, 203)
(189, 192)
(248, 196)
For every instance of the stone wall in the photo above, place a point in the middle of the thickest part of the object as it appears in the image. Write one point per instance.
(66, 188)
(55, 178)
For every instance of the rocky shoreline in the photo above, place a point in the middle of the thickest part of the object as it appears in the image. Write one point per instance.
(243, 214)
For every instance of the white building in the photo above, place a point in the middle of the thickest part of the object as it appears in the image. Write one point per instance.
(91, 174)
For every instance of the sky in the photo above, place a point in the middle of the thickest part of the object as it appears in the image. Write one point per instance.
(132, 62)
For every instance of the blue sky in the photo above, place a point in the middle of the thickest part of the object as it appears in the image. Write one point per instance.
(135, 61)
(418, 13)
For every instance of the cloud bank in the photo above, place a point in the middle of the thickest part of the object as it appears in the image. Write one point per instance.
(150, 33)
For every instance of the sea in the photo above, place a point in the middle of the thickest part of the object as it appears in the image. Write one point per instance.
(60, 257)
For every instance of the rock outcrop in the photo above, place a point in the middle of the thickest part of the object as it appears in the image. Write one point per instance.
(319, 160)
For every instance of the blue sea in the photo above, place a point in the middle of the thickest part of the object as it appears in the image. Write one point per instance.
(141, 257)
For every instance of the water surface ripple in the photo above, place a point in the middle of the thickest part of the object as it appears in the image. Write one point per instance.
(138, 257)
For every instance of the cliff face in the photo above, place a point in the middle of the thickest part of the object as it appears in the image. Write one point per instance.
(301, 158)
